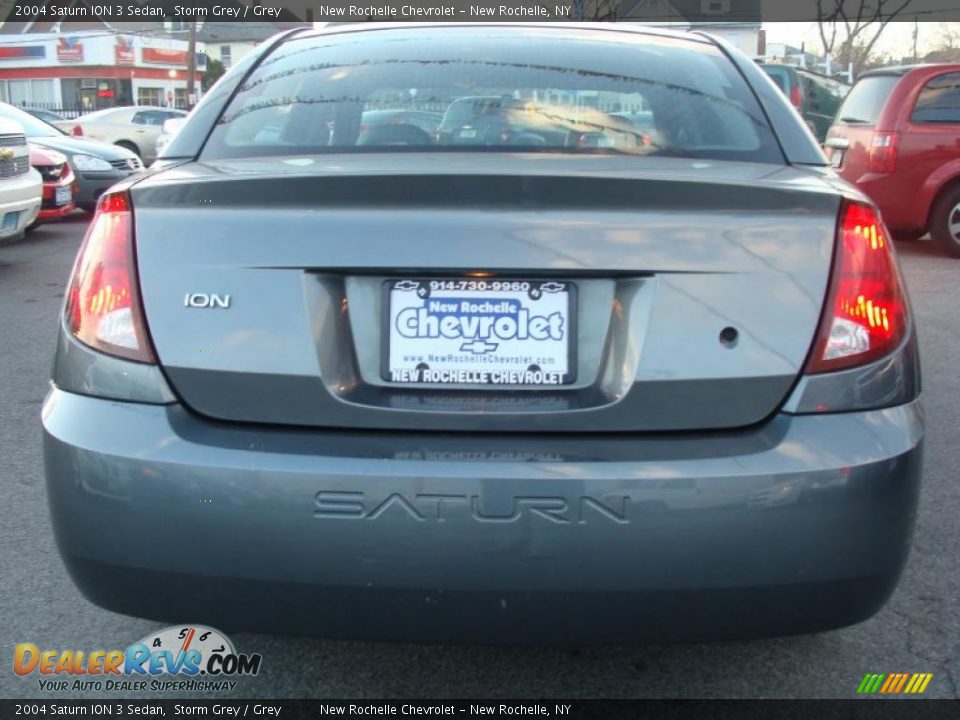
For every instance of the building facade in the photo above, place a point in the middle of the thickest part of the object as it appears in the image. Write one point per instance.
(94, 69)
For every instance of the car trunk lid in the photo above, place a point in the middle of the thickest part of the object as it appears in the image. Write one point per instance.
(698, 284)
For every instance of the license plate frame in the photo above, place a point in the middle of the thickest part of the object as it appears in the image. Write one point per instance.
(505, 365)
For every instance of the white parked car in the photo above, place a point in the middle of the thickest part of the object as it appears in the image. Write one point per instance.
(135, 128)
(170, 128)
(21, 187)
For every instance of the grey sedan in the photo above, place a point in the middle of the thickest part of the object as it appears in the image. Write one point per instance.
(547, 378)
(97, 165)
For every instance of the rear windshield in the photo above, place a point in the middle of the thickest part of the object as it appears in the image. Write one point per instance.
(779, 77)
(495, 90)
(865, 101)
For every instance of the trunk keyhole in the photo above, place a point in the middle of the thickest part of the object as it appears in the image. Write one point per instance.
(728, 337)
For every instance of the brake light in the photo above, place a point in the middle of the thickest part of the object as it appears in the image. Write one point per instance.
(795, 97)
(865, 316)
(883, 152)
(77, 131)
(103, 307)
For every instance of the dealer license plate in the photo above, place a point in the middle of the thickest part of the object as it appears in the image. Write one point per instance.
(480, 332)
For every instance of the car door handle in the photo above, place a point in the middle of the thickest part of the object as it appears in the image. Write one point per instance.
(838, 143)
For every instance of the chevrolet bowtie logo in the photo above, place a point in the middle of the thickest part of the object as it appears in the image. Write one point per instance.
(6, 153)
(479, 347)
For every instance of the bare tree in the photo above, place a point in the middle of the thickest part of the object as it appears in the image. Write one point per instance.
(597, 10)
(946, 48)
(849, 29)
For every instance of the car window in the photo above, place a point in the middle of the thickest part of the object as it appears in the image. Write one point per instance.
(939, 100)
(496, 90)
(825, 86)
(150, 117)
(779, 77)
(865, 101)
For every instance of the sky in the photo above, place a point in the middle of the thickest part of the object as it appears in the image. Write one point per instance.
(897, 38)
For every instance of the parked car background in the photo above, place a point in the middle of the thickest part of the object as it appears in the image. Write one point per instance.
(897, 137)
(21, 188)
(45, 115)
(58, 183)
(816, 97)
(135, 128)
(97, 165)
(167, 131)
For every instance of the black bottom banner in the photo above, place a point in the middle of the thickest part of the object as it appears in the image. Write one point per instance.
(659, 709)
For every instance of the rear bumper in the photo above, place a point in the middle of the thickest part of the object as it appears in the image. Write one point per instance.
(21, 196)
(798, 526)
(49, 210)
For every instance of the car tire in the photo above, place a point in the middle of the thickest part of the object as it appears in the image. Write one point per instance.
(127, 145)
(945, 222)
(88, 207)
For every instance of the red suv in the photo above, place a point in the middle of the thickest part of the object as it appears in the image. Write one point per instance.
(897, 137)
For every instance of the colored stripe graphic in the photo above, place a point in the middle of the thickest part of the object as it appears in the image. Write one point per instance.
(23, 51)
(871, 683)
(891, 681)
(894, 683)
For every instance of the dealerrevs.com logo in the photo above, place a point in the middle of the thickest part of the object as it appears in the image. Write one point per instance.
(189, 658)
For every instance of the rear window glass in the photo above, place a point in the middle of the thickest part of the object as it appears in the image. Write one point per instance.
(778, 76)
(939, 101)
(466, 89)
(865, 101)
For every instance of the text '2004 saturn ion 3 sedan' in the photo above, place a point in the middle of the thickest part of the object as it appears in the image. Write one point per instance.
(548, 376)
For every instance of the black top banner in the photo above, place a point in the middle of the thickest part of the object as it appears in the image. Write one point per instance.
(316, 11)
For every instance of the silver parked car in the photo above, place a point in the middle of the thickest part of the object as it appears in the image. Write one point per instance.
(546, 376)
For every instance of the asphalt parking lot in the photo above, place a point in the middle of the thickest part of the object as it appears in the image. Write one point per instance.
(918, 631)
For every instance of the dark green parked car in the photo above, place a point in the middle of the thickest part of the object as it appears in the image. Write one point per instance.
(816, 97)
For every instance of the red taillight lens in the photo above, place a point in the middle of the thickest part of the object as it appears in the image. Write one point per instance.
(866, 311)
(103, 299)
(883, 152)
(77, 131)
(796, 98)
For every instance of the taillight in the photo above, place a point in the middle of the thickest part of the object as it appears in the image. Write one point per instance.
(883, 152)
(77, 130)
(796, 98)
(103, 307)
(865, 316)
